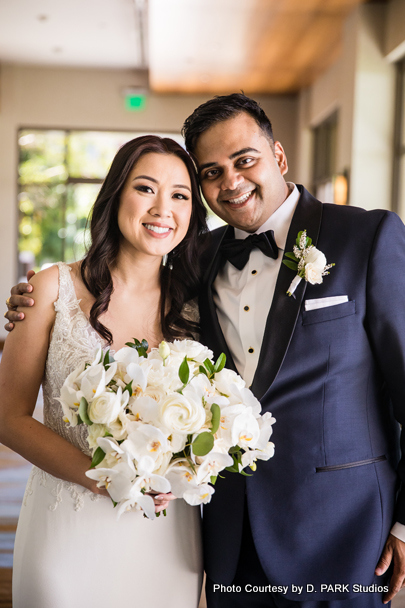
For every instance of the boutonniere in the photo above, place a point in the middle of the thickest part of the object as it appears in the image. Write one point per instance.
(307, 261)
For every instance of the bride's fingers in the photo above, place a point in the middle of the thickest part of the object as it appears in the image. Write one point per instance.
(169, 496)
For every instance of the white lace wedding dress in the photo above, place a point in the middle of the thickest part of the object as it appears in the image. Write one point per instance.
(70, 550)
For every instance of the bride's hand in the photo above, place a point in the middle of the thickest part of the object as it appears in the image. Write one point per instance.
(162, 500)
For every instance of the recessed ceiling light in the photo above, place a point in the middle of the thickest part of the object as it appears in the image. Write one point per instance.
(57, 49)
(42, 18)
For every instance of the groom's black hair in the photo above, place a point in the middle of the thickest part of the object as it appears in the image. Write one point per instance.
(221, 108)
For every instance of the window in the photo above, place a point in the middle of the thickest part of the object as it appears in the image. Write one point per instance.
(60, 174)
(327, 186)
(398, 189)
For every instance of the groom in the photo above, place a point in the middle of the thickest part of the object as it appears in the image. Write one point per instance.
(308, 528)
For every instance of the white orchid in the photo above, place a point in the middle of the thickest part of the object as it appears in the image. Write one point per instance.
(211, 465)
(146, 440)
(245, 429)
(117, 480)
(249, 458)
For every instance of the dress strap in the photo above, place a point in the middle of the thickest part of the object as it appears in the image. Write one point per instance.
(67, 295)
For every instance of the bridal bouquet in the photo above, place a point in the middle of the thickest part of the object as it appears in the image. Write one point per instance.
(168, 420)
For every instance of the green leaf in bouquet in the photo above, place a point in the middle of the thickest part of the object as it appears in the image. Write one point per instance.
(128, 387)
(291, 256)
(108, 434)
(106, 358)
(216, 417)
(114, 503)
(220, 364)
(83, 411)
(184, 371)
(213, 479)
(234, 449)
(203, 444)
(98, 457)
(141, 347)
(242, 472)
(209, 366)
(202, 370)
(79, 420)
(291, 265)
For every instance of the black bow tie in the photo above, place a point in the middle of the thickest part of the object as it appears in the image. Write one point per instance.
(237, 251)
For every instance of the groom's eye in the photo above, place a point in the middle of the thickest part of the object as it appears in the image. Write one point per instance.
(211, 174)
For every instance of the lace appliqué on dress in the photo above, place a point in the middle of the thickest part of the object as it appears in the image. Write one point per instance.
(76, 492)
(73, 342)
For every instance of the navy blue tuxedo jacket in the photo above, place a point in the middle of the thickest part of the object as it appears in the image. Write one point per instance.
(334, 378)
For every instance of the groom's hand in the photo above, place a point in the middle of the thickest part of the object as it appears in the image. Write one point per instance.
(19, 297)
(394, 551)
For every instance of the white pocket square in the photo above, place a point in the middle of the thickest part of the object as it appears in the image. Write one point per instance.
(324, 302)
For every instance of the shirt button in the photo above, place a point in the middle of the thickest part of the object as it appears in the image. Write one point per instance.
(254, 271)
(251, 350)
(246, 308)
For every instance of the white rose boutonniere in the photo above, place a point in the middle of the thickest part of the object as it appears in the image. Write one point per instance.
(307, 261)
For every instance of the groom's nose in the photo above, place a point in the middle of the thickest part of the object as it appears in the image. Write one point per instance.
(231, 179)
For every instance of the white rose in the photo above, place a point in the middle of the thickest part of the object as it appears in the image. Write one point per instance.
(105, 408)
(193, 350)
(181, 415)
(225, 379)
(95, 431)
(315, 263)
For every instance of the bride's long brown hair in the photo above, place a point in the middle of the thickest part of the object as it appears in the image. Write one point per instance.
(178, 284)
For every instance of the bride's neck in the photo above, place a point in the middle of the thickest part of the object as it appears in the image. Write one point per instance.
(136, 270)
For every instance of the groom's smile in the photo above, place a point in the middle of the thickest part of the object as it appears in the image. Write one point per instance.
(241, 172)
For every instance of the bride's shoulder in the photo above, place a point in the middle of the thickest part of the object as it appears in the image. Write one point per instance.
(46, 284)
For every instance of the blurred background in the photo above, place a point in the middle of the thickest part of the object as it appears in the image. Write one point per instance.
(80, 78)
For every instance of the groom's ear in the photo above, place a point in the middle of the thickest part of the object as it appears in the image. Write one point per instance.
(280, 157)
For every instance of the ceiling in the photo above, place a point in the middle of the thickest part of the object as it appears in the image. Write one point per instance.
(189, 46)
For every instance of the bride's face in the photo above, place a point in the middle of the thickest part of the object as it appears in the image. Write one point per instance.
(155, 204)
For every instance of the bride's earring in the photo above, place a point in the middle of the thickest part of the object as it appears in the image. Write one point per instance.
(164, 259)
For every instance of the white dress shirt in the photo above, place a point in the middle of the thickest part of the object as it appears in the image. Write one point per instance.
(243, 297)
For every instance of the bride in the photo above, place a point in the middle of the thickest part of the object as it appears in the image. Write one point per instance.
(70, 550)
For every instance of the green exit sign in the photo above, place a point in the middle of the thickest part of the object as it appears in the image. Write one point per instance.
(135, 103)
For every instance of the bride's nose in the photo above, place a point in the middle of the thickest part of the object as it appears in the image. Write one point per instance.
(162, 207)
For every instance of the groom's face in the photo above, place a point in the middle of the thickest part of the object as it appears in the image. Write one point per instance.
(241, 172)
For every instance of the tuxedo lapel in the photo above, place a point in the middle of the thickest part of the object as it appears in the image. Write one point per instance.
(284, 310)
(210, 327)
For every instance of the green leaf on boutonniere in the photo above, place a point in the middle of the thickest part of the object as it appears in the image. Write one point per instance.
(291, 265)
(184, 371)
(220, 364)
(203, 444)
(216, 417)
(83, 411)
(297, 242)
(98, 457)
(291, 256)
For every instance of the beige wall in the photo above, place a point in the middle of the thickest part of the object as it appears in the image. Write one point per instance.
(394, 44)
(90, 99)
(361, 86)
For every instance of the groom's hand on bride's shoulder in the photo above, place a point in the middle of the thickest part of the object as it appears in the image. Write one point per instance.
(20, 296)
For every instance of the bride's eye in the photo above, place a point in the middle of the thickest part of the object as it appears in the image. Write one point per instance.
(143, 188)
(180, 196)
